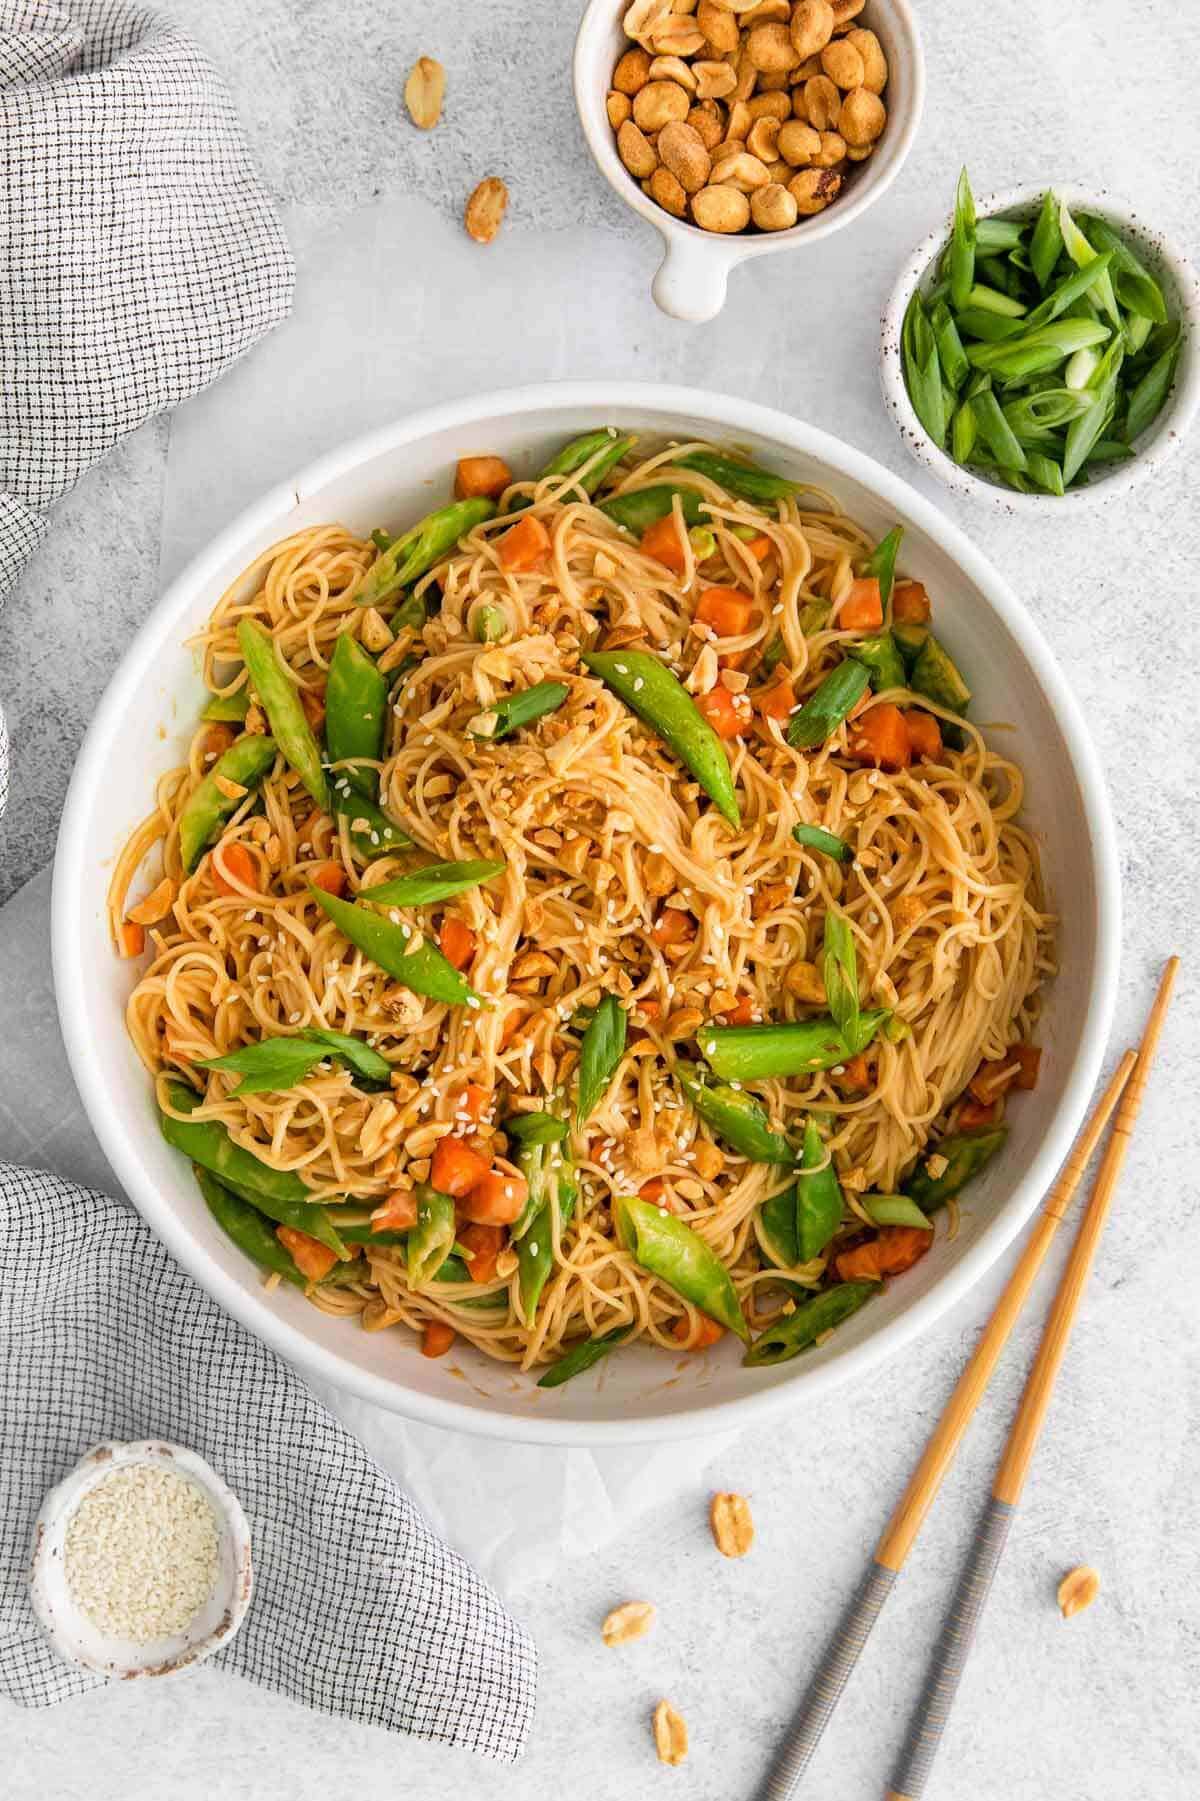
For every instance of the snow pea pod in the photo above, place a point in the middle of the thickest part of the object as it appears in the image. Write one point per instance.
(736, 1117)
(424, 970)
(678, 1256)
(436, 882)
(745, 480)
(228, 708)
(882, 661)
(355, 712)
(828, 705)
(206, 808)
(246, 1228)
(755, 1053)
(894, 1210)
(799, 1223)
(638, 511)
(416, 551)
(371, 831)
(656, 695)
(305, 1216)
(965, 1154)
(795, 1332)
(517, 710)
(535, 1250)
(207, 1142)
(281, 702)
(582, 1356)
(432, 1238)
(579, 451)
(535, 1128)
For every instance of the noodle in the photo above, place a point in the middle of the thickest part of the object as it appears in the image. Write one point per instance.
(599, 829)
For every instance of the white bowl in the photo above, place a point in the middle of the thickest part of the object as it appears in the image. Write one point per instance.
(78, 1638)
(692, 277)
(1181, 289)
(147, 716)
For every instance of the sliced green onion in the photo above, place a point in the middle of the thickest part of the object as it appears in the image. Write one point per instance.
(812, 837)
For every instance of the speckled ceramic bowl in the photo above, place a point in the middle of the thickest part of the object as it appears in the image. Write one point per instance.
(1179, 284)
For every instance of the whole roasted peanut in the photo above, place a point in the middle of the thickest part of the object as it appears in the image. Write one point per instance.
(813, 189)
(721, 209)
(812, 26)
(875, 69)
(706, 121)
(860, 153)
(780, 172)
(741, 171)
(683, 154)
(769, 48)
(844, 11)
(719, 26)
(635, 151)
(673, 68)
(663, 188)
(831, 152)
(843, 65)
(798, 143)
(740, 119)
(769, 106)
(632, 72)
(861, 118)
(772, 208)
(761, 140)
(618, 107)
(822, 103)
(658, 103)
(714, 80)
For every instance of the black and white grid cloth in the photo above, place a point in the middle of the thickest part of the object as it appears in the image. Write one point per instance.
(358, 1608)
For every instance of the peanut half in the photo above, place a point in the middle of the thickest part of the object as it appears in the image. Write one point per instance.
(424, 92)
(628, 1622)
(670, 1734)
(732, 1524)
(485, 209)
(1078, 1589)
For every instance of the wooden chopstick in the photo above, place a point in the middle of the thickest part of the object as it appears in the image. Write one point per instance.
(953, 1647)
(836, 1667)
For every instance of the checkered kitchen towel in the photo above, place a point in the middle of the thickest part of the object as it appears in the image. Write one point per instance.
(358, 1609)
(139, 254)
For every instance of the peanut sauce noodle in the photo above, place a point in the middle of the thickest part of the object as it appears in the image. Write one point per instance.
(601, 830)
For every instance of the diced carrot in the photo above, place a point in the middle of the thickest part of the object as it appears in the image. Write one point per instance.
(1029, 1056)
(742, 1014)
(881, 737)
(456, 941)
(481, 476)
(856, 1074)
(482, 1245)
(476, 1101)
(974, 1113)
(718, 708)
(497, 1199)
(862, 609)
(437, 1338)
(673, 926)
(924, 735)
(233, 864)
(313, 703)
(648, 1008)
(456, 1167)
(330, 877)
(216, 741)
(514, 1019)
(993, 1079)
(652, 1190)
(525, 546)
(131, 938)
(760, 548)
(311, 1259)
(910, 603)
(663, 542)
(897, 1248)
(398, 1213)
(727, 610)
(708, 1332)
(777, 701)
(731, 659)
(156, 906)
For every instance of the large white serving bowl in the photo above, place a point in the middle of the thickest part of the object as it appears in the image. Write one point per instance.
(390, 478)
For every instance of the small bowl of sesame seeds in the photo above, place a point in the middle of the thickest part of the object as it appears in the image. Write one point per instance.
(141, 1561)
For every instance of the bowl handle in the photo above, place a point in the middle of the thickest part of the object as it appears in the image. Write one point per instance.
(691, 280)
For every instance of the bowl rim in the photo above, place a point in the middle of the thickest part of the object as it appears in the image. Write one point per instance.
(74, 871)
(1167, 431)
(873, 181)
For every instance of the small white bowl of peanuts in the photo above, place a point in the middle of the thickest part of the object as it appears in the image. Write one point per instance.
(741, 127)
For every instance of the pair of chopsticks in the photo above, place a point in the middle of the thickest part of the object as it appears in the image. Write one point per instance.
(1127, 1087)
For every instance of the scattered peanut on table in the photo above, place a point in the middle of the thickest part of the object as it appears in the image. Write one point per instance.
(485, 210)
(746, 113)
(1077, 1590)
(424, 92)
(628, 1622)
(732, 1524)
(670, 1734)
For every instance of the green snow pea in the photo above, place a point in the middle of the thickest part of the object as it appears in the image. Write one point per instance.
(246, 1228)
(305, 1216)
(678, 1256)
(355, 712)
(812, 837)
(416, 551)
(600, 1052)
(535, 1248)
(795, 1332)
(371, 831)
(207, 1142)
(736, 1117)
(638, 511)
(432, 1238)
(436, 882)
(424, 970)
(488, 623)
(228, 708)
(880, 658)
(839, 969)
(582, 1356)
(745, 480)
(828, 705)
(755, 1053)
(658, 697)
(800, 1222)
(579, 451)
(206, 808)
(281, 702)
(535, 1128)
(894, 1210)
(517, 710)
(965, 1154)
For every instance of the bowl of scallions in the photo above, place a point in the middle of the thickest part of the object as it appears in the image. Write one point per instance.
(1041, 348)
